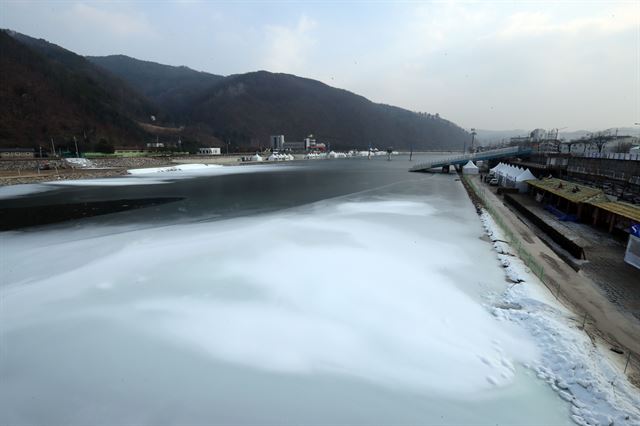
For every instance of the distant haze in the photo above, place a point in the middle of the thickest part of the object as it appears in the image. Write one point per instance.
(488, 137)
(490, 66)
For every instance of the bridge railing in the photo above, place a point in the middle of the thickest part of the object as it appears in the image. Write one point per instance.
(484, 155)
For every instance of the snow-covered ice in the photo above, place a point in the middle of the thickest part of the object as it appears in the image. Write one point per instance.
(296, 318)
(390, 303)
(13, 191)
(116, 181)
(177, 168)
(160, 175)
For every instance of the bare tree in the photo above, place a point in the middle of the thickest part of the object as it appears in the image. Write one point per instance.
(600, 139)
(622, 147)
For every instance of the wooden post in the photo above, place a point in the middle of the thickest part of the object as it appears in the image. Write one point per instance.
(612, 221)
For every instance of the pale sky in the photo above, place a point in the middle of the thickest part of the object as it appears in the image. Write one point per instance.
(489, 65)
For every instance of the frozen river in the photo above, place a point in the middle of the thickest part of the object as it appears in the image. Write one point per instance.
(332, 292)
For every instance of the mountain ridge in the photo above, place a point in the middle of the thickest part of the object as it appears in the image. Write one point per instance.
(241, 109)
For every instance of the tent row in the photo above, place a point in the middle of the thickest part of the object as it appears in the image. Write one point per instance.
(512, 176)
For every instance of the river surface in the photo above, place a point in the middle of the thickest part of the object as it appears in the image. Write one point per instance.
(323, 292)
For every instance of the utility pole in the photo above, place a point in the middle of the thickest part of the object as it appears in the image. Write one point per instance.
(410, 152)
(473, 138)
(53, 148)
(76, 143)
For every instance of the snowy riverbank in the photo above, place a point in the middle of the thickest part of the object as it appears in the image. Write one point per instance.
(577, 369)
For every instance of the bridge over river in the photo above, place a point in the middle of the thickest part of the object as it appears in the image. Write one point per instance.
(464, 158)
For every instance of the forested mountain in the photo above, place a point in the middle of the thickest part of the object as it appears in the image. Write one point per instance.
(51, 92)
(48, 92)
(258, 104)
(171, 88)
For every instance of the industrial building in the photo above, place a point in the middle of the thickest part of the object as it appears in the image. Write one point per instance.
(309, 143)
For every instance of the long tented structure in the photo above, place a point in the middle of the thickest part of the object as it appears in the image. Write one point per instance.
(512, 176)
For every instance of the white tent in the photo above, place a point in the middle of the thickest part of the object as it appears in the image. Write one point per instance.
(470, 169)
(256, 157)
(510, 175)
(521, 183)
(502, 173)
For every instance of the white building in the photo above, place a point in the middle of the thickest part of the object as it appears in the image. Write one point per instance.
(277, 142)
(209, 151)
(309, 142)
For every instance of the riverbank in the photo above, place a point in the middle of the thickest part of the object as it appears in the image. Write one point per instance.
(7, 179)
(575, 365)
(604, 323)
(25, 171)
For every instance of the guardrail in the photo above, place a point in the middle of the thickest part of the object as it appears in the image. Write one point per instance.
(460, 159)
(610, 156)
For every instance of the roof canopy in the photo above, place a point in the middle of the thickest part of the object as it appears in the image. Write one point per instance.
(470, 165)
(524, 176)
(618, 207)
(588, 195)
(565, 189)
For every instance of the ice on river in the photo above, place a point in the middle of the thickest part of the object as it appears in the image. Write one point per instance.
(349, 298)
(159, 175)
(330, 289)
(14, 191)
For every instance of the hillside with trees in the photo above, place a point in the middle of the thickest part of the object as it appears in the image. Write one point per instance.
(50, 92)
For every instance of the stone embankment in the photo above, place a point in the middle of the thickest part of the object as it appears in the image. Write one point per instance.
(8, 166)
(131, 162)
(18, 171)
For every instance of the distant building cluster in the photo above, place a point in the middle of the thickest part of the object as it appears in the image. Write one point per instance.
(309, 143)
(544, 141)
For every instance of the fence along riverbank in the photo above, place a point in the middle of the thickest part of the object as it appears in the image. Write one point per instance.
(630, 362)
